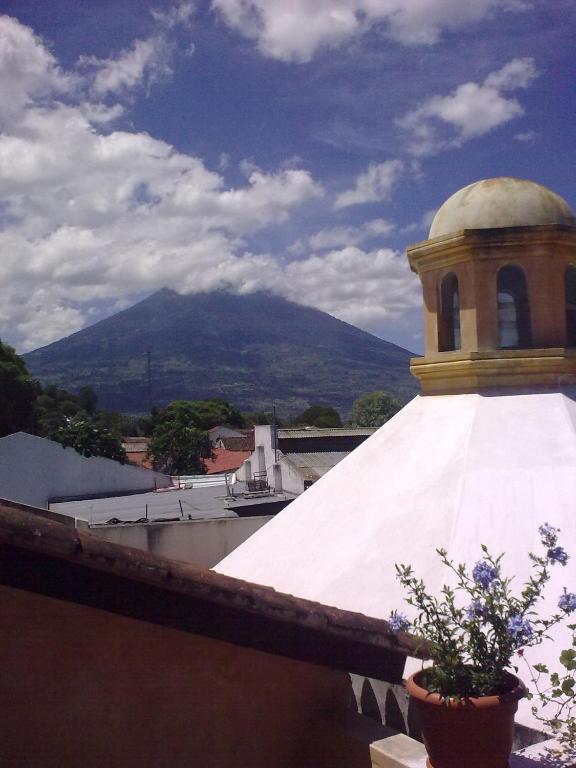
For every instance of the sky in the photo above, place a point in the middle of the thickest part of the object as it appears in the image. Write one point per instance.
(293, 146)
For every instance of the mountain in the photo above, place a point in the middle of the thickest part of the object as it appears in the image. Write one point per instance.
(248, 349)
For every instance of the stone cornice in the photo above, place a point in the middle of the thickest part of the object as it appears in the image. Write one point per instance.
(459, 372)
(476, 244)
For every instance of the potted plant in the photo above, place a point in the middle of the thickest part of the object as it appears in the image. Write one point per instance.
(468, 697)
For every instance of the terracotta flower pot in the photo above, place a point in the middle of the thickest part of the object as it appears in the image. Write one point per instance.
(474, 732)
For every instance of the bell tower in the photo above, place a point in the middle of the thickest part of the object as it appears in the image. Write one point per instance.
(498, 275)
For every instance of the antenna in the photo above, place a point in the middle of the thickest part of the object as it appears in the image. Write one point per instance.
(274, 432)
(149, 373)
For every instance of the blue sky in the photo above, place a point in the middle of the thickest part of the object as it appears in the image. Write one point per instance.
(296, 147)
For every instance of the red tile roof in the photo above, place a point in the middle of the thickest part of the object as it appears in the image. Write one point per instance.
(225, 461)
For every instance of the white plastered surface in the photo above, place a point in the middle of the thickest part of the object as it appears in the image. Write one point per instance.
(451, 471)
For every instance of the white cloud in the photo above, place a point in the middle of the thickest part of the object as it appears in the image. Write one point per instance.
(297, 30)
(178, 13)
(471, 110)
(335, 237)
(89, 216)
(366, 288)
(92, 215)
(423, 224)
(145, 62)
(374, 184)
(526, 137)
(28, 71)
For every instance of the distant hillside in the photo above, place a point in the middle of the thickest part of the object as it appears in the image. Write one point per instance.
(249, 350)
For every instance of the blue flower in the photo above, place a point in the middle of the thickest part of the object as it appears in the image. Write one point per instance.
(398, 622)
(484, 573)
(567, 602)
(520, 629)
(557, 555)
(548, 534)
(475, 610)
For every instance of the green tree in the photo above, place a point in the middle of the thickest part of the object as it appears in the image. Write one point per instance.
(319, 416)
(55, 407)
(178, 444)
(374, 409)
(88, 400)
(90, 440)
(256, 418)
(18, 393)
(213, 412)
(122, 423)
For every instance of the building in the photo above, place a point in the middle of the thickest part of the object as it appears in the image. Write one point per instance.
(293, 459)
(37, 471)
(137, 451)
(486, 454)
(115, 657)
(198, 524)
(112, 656)
(225, 460)
(222, 431)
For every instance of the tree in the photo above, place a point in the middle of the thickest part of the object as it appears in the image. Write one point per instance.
(18, 393)
(88, 400)
(213, 412)
(319, 416)
(256, 418)
(205, 414)
(123, 424)
(55, 408)
(90, 440)
(178, 445)
(374, 409)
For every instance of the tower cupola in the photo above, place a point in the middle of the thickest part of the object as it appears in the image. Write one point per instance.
(498, 276)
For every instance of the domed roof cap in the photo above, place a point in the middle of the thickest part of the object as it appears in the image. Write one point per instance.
(501, 202)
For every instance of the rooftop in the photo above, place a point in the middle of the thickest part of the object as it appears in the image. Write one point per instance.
(42, 556)
(224, 460)
(300, 432)
(501, 202)
(206, 502)
(317, 464)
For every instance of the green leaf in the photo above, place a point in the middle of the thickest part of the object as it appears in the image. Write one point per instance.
(568, 658)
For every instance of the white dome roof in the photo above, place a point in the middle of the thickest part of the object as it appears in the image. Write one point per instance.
(501, 202)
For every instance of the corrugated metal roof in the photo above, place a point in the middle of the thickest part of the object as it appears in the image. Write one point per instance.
(317, 463)
(317, 432)
(205, 502)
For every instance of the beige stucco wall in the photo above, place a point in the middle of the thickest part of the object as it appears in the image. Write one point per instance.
(475, 258)
(83, 687)
(200, 542)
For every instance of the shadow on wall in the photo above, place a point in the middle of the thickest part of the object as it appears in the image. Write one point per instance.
(386, 703)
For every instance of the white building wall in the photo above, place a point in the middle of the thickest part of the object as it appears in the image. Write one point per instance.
(199, 542)
(292, 478)
(34, 470)
(264, 458)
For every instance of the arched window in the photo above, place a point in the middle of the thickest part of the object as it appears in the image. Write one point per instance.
(449, 314)
(570, 288)
(514, 330)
